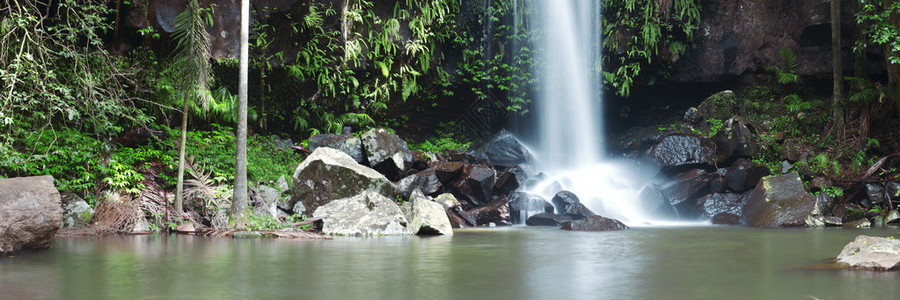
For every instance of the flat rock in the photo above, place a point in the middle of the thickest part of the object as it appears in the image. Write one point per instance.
(366, 214)
(871, 253)
(594, 223)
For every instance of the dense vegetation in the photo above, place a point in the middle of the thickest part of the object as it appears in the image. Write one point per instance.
(72, 101)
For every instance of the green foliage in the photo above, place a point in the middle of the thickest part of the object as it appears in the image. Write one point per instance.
(878, 20)
(257, 222)
(443, 142)
(268, 160)
(645, 34)
(787, 72)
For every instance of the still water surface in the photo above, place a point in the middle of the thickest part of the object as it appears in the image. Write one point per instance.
(510, 263)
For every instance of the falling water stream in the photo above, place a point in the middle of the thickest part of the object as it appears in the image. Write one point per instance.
(569, 143)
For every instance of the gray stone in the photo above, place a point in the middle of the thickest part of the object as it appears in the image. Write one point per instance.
(871, 253)
(713, 204)
(447, 200)
(547, 219)
(594, 223)
(426, 181)
(426, 217)
(861, 223)
(267, 202)
(30, 213)
(282, 185)
(678, 152)
(76, 211)
(386, 152)
(781, 201)
(328, 174)
(366, 214)
(346, 143)
(505, 150)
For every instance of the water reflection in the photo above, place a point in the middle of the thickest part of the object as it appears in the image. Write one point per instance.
(512, 263)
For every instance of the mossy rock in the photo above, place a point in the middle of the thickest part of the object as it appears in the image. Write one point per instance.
(721, 106)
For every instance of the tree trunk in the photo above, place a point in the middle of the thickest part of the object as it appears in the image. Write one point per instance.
(179, 186)
(837, 67)
(240, 199)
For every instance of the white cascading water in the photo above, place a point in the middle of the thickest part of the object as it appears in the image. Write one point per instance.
(569, 144)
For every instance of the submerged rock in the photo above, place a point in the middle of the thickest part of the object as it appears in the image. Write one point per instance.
(426, 217)
(547, 219)
(871, 253)
(714, 204)
(861, 223)
(329, 174)
(781, 201)
(368, 213)
(654, 201)
(567, 203)
(594, 223)
(30, 213)
(521, 203)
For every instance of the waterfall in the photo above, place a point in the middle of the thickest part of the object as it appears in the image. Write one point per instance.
(569, 139)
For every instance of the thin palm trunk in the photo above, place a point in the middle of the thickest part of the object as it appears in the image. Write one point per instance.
(239, 202)
(179, 187)
(837, 67)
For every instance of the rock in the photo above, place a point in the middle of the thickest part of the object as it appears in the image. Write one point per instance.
(678, 152)
(594, 223)
(861, 223)
(891, 217)
(186, 228)
(714, 204)
(686, 187)
(786, 167)
(567, 203)
(448, 172)
(366, 214)
(743, 175)
(717, 184)
(721, 106)
(282, 185)
(726, 219)
(30, 213)
(547, 219)
(506, 183)
(298, 208)
(141, 226)
(781, 201)
(821, 183)
(877, 194)
(447, 200)
(329, 174)
(735, 140)
(76, 211)
(833, 221)
(267, 202)
(871, 253)
(654, 201)
(459, 218)
(692, 116)
(505, 150)
(387, 152)
(893, 189)
(521, 204)
(496, 212)
(426, 181)
(479, 182)
(426, 217)
(343, 142)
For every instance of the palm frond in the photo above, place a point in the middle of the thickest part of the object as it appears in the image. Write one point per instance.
(192, 53)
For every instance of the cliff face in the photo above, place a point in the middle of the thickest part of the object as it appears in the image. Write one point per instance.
(738, 37)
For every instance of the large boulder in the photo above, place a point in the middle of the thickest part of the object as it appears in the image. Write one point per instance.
(716, 203)
(346, 143)
(781, 201)
(594, 223)
(477, 184)
(743, 175)
(720, 106)
(387, 152)
(505, 150)
(76, 211)
(735, 140)
(506, 183)
(547, 219)
(686, 187)
(30, 213)
(656, 203)
(871, 253)
(426, 217)
(448, 172)
(426, 181)
(366, 214)
(329, 174)
(567, 203)
(522, 204)
(495, 213)
(678, 152)
(267, 202)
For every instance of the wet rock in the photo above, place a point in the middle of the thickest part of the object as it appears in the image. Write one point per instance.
(726, 219)
(506, 183)
(735, 140)
(687, 186)
(477, 184)
(426, 181)
(187, 228)
(346, 143)
(679, 152)
(459, 218)
(496, 212)
(743, 175)
(717, 184)
(877, 194)
(448, 172)
(781, 201)
(653, 200)
(594, 223)
(833, 221)
(426, 217)
(76, 211)
(714, 204)
(267, 202)
(567, 203)
(547, 219)
(329, 174)
(30, 213)
(366, 214)
(871, 253)
(521, 204)
(505, 150)
(861, 223)
(720, 106)
(386, 152)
